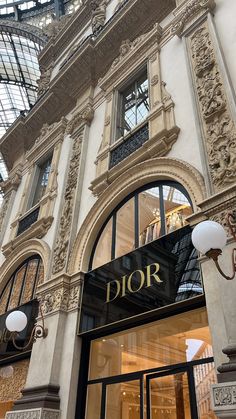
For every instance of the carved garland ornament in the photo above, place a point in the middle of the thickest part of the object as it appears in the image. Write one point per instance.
(220, 132)
(224, 396)
(192, 8)
(34, 414)
(62, 242)
(60, 299)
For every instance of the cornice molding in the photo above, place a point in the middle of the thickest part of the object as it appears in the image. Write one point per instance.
(37, 230)
(193, 8)
(130, 51)
(65, 88)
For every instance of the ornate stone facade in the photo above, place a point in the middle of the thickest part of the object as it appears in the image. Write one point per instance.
(65, 298)
(98, 15)
(34, 414)
(3, 210)
(219, 128)
(192, 8)
(62, 242)
(43, 82)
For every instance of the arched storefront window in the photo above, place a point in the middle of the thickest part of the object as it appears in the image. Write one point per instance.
(19, 291)
(21, 286)
(149, 213)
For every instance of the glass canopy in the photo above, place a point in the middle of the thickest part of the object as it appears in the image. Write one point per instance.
(19, 71)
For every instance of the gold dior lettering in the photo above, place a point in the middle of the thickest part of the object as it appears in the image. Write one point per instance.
(126, 282)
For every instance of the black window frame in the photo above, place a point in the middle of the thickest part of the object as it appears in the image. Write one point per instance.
(12, 280)
(134, 195)
(121, 131)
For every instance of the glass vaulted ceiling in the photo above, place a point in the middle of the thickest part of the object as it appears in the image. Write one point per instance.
(19, 72)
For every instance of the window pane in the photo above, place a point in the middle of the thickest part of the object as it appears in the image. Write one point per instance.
(125, 229)
(4, 298)
(177, 208)
(204, 376)
(94, 396)
(40, 273)
(15, 295)
(142, 98)
(149, 216)
(29, 281)
(123, 400)
(129, 109)
(177, 339)
(102, 253)
(134, 105)
(12, 382)
(44, 171)
(170, 397)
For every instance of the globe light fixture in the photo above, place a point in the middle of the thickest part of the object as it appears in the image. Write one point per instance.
(209, 238)
(16, 322)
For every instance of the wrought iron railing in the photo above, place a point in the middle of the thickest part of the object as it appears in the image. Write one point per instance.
(27, 221)
(131, 144)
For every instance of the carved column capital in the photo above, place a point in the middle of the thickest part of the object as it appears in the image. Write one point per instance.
(193, 8)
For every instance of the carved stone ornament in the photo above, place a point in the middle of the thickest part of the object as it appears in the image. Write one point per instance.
(34, 414)
(44, 80)
(84, 116)
(219, 128)
(126, 47)
(65, 299)
(221, 218)
(190, 10)
(62, 242)
(3, 210)
(224, 395)
(98, 15)
(13, 181)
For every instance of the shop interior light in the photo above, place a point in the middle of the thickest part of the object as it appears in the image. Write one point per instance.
(209, 238)
(16, 322)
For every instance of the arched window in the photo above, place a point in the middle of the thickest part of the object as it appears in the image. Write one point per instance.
(22, 284)
(149, 213)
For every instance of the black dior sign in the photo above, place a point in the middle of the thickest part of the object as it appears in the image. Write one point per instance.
(134, 282)
(161, 273)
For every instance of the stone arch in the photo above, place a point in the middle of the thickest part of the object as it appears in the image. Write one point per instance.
(21, 253)
(161, 168)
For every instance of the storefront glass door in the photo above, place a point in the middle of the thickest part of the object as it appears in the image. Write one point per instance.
(171, 396)
(162, 370)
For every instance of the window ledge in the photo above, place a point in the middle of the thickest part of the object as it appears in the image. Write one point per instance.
(36, 230)
(156, 146)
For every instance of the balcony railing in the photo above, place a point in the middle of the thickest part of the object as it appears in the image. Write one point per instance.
(27, 221)
(131, 144)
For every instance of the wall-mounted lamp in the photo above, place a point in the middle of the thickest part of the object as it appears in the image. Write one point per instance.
(209, 238)
(16, 321)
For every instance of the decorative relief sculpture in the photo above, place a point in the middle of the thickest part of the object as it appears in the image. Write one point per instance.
(3, 210)
(218, 125)
(38, 413)
(62, 242)
(224, 396)
(98, 15)
(191, 9)
(62, 298)
(44, 80)
(85, 116)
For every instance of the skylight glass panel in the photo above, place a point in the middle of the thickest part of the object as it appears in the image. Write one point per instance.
(19, 70)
